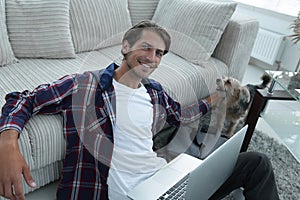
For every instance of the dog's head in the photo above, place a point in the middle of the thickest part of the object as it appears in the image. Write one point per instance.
(235, 92)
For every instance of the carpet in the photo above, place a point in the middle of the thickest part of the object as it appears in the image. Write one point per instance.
(286, 167)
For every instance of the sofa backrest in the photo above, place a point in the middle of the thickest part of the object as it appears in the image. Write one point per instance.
(195, 27)
(141, 9)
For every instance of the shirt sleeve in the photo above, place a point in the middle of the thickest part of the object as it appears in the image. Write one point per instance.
(44, 99)
(178, 114)
(194, 112)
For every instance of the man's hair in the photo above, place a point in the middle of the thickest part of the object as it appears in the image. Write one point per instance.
(135, 33)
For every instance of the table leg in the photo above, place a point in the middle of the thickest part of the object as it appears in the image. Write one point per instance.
(257, 106)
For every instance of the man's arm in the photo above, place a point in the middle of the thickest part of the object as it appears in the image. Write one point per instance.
(19, 107)
(192, 113)
(212, 99)
(189, 113)
(45, 99)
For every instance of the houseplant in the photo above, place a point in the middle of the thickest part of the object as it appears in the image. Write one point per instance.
(296, 36)
(296, 29)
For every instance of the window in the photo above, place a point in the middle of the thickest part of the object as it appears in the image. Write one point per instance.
(289, 7)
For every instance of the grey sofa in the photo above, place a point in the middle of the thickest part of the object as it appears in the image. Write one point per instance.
(87, 37)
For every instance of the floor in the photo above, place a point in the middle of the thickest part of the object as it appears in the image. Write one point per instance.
(281, 120)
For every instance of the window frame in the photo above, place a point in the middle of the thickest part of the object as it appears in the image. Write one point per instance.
(287, 7)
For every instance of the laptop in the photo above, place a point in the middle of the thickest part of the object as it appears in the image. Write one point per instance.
(197, 179)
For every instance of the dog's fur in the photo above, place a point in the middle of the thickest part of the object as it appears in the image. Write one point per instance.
(239, 99)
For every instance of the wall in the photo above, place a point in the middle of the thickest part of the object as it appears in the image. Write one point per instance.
(279, 23)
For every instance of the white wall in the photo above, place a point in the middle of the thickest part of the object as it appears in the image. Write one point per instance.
(279, 23)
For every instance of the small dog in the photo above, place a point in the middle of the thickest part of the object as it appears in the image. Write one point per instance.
(239, 99)
(231, 104)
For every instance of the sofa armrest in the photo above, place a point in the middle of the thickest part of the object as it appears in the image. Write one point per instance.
(236, 44)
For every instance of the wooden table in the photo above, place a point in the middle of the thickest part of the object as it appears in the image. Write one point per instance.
(260, 100)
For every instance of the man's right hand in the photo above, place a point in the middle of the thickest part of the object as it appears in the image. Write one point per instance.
(12, 167)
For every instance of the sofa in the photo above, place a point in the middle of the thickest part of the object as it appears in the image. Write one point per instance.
(41, 41)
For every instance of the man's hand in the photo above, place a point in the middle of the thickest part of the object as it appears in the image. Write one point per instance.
(213, 99)
(12, 166)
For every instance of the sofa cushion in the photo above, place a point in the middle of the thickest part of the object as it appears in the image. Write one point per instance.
(195, 26)
(141, 9)
(103, 25)
(39, 28)
(6, 54)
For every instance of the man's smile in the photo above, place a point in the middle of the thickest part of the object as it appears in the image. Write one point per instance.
(146, 65)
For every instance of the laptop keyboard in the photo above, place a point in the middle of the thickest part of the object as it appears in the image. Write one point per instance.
(177, 191)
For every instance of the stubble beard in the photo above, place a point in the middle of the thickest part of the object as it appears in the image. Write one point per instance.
(145, 73)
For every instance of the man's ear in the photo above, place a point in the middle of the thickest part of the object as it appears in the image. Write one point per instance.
(125, 47)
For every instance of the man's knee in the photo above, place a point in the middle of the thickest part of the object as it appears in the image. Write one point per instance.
(257, 161)
(260, 181)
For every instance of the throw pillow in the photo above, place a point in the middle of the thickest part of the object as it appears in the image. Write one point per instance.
(6, 54)
(195, 26)
(39, 28)
(97, 24)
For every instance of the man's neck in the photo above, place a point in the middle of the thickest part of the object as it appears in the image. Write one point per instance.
(124, 76)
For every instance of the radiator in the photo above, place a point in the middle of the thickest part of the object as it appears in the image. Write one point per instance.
(268, 46)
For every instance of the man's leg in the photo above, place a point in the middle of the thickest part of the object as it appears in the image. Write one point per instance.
(253, 172)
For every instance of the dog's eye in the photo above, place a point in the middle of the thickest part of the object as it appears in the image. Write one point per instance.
(228, 81)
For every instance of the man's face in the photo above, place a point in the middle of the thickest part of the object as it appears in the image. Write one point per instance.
(145, 55)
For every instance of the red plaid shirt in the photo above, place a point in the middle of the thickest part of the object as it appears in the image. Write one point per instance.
(87, 104)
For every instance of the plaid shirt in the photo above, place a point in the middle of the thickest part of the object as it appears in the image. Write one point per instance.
(87, 103)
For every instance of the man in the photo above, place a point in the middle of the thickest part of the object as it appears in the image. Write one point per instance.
(110, 117)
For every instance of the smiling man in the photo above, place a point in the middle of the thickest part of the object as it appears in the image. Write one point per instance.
(110, 117)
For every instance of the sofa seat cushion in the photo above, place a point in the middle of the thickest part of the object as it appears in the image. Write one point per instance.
(7, 56)
(39, 28)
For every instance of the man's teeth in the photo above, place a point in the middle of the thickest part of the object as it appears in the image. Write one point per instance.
(147, 66)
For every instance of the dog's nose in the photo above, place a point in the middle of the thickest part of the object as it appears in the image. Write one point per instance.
(218, 80)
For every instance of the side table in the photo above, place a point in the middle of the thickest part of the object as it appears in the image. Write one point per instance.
(260, 100)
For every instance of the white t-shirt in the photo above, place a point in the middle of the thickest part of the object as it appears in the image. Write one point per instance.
(133, 159)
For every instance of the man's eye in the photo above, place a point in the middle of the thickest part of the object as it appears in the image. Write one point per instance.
(159, 54)
(145, 47)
